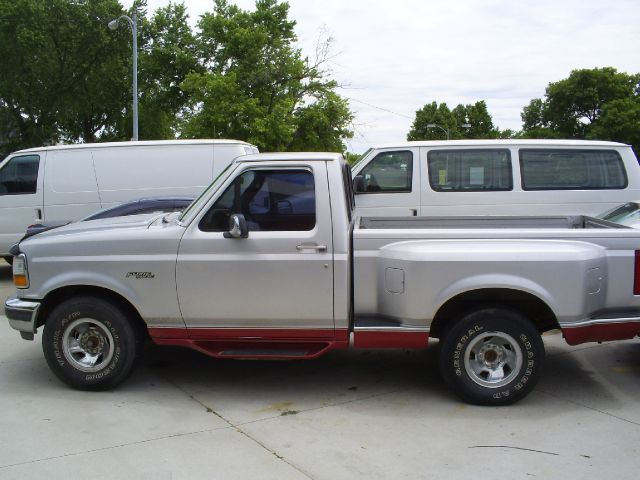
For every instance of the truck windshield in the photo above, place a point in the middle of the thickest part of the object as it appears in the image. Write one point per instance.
(205, 194)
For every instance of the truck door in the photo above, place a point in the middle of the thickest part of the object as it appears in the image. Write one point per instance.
(278, 279)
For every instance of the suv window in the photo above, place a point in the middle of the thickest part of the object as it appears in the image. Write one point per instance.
(270, 200)
(19, 175)
(544, 169)
(484, 170)
(389, 172)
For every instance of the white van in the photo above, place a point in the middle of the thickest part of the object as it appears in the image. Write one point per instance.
(68, 182)
(495, 177)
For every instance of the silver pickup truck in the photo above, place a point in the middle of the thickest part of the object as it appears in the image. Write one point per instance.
(268, 263)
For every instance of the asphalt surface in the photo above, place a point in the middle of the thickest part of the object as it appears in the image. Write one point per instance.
(350, 414)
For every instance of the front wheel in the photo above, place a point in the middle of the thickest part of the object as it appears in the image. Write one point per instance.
(492, 356)
(89, 343)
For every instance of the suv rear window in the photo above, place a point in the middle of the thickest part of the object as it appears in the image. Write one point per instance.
(479, 170)
(564, 169)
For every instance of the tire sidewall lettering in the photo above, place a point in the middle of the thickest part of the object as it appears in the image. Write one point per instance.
(457, 341)
(458, 353)
(108, 317)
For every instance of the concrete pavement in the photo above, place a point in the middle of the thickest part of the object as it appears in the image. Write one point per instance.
(350, 414)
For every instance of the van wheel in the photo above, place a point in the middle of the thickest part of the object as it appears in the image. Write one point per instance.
(90, 344)
(492, 356)
(9, 259)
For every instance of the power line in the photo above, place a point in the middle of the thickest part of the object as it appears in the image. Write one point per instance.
(379, 108)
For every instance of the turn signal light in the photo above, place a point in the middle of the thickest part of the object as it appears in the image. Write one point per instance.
(20, 274)
(20, 281)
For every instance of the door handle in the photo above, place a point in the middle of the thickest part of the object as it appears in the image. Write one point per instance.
(311, 246)
(38, 215)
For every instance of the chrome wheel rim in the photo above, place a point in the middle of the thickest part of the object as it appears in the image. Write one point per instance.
(88, 345)
(493, 359)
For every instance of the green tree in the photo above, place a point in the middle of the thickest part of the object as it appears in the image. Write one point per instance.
(480, 121)
(598, 103)
(534, 123)
(619, 121)
(576, 102)
(258, 87)
(168, 53)
(433, 114)
(63, 73)
(464, 121)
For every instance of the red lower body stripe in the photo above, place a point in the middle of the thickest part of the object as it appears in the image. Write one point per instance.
(601, 332)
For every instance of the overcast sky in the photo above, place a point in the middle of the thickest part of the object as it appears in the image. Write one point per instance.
(393, 57)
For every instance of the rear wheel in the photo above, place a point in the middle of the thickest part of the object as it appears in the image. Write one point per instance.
(90, 344)
(492, 356)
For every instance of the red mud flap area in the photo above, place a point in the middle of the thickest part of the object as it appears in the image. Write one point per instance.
(268, 344)
(390, 339)
(601, 330)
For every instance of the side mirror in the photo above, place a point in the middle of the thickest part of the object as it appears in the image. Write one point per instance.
(237, 227)
(358, 184)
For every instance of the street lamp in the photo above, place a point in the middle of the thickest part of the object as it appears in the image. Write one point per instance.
(433, 125)
(113, 24)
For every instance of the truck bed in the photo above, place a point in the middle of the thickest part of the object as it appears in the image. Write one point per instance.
(471, 222)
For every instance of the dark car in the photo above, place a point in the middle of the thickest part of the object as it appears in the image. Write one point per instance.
(135, 207)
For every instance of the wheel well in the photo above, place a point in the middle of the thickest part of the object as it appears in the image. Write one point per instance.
(536, 310)
(56, 297)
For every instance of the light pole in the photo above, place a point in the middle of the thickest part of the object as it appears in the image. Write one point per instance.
(113, 24)
(433, 125)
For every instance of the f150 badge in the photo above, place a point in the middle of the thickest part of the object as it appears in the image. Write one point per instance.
(140, 275)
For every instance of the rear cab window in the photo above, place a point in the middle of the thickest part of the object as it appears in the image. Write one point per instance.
(566, 169)
(470, 170)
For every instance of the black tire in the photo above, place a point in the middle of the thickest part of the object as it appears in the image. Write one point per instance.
(9, 260)
(90, 344)
(491, 356)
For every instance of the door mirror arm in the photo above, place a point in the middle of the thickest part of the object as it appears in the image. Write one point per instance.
(237, 227)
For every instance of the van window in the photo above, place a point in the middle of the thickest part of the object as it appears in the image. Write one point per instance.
(270, 200)
(470, 170)
(20, 175)
(545, 169)
(389, 172)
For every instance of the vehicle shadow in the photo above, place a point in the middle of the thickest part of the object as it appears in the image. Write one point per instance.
(5, 271)
(330, 378)
(570, 381)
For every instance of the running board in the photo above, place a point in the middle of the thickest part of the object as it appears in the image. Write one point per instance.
(257, 350)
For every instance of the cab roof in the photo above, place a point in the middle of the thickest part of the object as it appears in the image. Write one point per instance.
(291, 156)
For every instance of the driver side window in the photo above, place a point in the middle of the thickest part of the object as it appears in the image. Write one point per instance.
(270, 200)
(19, 175)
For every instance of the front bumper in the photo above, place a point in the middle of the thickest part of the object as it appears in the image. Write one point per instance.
(22, 314)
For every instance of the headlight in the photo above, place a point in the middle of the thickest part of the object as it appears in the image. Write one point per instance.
(20, 273)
